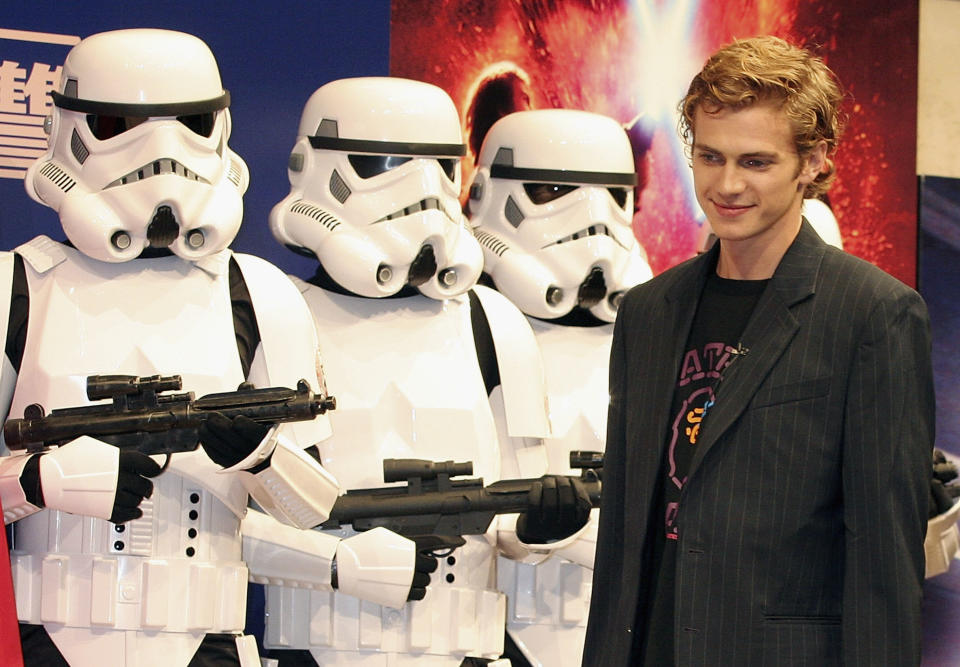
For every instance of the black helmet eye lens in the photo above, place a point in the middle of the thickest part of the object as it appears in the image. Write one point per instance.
(449, 166)
(543, 193)
(619, 195)
(199, 123)
(368, 166)
(106, 127)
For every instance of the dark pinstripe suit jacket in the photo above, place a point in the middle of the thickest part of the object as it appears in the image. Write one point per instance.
(803, 517)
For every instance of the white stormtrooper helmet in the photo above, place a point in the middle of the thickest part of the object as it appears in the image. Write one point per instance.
(551, 205)
(375, 184)
(138, 152)
(819, 214)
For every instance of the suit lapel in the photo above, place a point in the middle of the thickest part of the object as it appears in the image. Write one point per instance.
(664, 335)
(681, 304)
(769, 331)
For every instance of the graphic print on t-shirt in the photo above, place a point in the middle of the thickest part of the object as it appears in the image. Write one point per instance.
(699, 373)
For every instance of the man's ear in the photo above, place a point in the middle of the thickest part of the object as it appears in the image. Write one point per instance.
(814, 162)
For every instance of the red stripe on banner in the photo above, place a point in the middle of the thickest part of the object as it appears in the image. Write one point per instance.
(10, 655)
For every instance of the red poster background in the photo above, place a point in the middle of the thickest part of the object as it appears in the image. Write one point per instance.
(632, 60)
(10, 655)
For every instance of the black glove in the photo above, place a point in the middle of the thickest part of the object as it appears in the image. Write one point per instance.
(229, 441)
(559, 506)
(429, 548)
(133, 485)
(424, 566)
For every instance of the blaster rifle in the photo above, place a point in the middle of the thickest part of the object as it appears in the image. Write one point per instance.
(140, 416)
(441, 510)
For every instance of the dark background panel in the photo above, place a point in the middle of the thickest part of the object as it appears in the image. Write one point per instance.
(272, 56)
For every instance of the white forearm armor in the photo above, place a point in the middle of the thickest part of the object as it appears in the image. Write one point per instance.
(14, 500)
(294, 487)
(376, 566)
(81, 477)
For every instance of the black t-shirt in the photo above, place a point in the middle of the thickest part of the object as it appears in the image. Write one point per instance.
(722, 313)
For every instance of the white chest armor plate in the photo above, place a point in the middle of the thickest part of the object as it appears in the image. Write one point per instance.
(177, 569)
(408, 385)
(548, 603)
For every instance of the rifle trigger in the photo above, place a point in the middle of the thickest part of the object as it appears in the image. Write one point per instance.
(438, 546)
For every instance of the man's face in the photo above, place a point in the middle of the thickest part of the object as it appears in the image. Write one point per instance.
(747, 175)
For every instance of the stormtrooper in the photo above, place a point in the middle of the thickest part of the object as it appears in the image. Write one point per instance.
(551, 205)
(117, 559)
(426, 365)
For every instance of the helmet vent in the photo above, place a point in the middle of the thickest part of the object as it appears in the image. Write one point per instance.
(338, 187)
(513, 213)
(316, 213)
(58, 176)
(80, 151)
(490, 242)
(234, 174)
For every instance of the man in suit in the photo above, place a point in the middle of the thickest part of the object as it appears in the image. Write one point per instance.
(771, 410)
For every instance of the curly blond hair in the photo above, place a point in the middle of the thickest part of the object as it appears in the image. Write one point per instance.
(768, 69)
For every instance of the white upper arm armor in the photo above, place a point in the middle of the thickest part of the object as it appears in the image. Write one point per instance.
(288, 349)
(8, 376)
(294, 488)
(12, 497)
(520, 364)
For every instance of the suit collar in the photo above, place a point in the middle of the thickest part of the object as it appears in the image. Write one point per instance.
(796, 275)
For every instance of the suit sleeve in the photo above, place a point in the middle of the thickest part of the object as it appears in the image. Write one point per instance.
(888, 442)
(608, 564)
